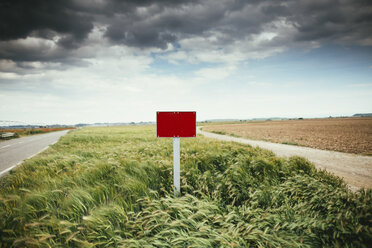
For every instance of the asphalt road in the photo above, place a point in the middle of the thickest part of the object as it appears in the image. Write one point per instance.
(13, 152)
(356, 170)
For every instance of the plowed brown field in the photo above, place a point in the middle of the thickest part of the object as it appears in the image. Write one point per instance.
(352, 135)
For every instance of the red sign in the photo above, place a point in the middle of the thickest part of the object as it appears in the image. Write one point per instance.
(176, 124)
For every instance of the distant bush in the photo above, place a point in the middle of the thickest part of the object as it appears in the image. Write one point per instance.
(15, 135)
(36, 131)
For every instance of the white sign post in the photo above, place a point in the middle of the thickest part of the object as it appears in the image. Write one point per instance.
(176, 165)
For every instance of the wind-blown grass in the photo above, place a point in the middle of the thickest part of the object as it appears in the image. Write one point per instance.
(112, 187)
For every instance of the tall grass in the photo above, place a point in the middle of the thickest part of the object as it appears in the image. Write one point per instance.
(112, 187)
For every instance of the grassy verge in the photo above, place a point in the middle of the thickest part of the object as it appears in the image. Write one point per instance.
(223, 133)
(112, 187)
(290, 143)
(237, 136)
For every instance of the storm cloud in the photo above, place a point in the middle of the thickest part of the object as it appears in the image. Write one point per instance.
(57, 31)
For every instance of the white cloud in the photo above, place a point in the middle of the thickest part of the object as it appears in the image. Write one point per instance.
(259, 84)
(116, 85)
(14, 76)
(9, 75)
(215, 73)
(264, 36)
(28, 46)
(7, 65)
(35, 43)
(177, 56)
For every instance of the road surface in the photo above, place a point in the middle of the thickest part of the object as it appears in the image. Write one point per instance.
(356, 170)
(13, 152)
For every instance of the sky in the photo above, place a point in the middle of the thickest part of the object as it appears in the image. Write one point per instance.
(80, 61)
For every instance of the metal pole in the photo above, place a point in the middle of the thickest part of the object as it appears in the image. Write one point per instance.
(176, 165)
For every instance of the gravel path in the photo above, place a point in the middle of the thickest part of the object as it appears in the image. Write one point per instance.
(356, 170)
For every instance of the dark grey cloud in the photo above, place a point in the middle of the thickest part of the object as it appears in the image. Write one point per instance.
(21, 18)
(332, 20)
(150, 23)
(314, 20)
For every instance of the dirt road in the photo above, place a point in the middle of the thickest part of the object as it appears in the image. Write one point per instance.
(349, 135)
(354, 169)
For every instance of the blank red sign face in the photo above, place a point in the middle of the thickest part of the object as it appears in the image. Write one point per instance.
(176, 124)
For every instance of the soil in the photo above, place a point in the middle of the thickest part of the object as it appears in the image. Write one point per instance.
(350, 135)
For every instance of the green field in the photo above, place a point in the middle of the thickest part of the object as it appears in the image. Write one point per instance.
(112, 187)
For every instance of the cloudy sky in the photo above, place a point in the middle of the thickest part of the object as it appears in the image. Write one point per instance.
(73, 61)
